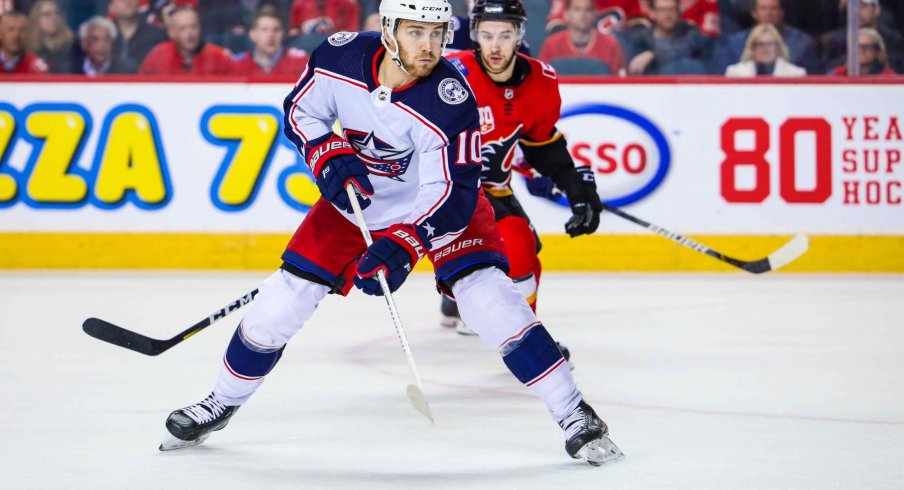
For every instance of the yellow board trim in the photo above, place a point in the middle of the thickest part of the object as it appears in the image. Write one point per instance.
(640, 253)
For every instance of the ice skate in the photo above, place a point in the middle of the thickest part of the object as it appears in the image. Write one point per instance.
(451, 318)
(587, 437)
(193, 424)
(566, 354)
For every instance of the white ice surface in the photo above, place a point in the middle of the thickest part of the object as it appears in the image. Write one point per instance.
(706, 381)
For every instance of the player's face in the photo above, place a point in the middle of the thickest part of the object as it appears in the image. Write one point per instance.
(267, 35)
(185, 29)
(498, 42)
(420, 46)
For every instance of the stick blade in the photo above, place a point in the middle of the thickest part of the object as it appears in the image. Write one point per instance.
(116, 335)
(419, 401)
(789, 252)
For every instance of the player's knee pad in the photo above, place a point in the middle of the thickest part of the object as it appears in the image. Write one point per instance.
(520, 245)
(284, 304)
(531, 354)
(490, 305)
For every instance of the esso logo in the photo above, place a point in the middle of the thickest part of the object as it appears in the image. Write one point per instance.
(629, 155)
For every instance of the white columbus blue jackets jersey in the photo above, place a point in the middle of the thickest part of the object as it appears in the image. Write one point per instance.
(421, 142)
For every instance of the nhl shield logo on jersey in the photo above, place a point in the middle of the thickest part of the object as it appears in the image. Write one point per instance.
(380, 157)
(340, 38)
(452, 92)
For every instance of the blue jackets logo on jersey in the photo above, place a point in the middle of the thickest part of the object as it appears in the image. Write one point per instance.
(452, 92)
(380, 157)
(340, 38)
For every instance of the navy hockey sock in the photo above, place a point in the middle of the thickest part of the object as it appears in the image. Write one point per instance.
(532, 354)
(248, 361)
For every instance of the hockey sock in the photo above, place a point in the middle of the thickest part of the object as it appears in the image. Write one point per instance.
(244, 367)
(533, 357)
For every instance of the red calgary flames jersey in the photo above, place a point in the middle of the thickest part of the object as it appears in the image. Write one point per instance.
(525, 112)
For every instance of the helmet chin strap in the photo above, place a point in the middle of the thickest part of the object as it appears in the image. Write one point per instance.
(395, 55)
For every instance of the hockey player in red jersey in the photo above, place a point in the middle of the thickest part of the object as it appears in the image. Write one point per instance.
(519, 104)
(410, 141)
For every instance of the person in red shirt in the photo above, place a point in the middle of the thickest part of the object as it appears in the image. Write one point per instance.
(611, 14)
(268, 56)
(582, 39)
(873, 55)
(13, 56)
(519, 105)
(186, 53)
(324, 16)
(619, 14)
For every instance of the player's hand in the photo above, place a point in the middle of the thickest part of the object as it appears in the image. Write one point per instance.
(541, 186)
(585, 204)
(335, 164)
(395, 254)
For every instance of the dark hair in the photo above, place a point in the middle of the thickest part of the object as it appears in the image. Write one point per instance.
(266, 11)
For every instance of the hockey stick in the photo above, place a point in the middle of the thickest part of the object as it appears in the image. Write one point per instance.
(780, 258)
(116, 335)
(415, 391)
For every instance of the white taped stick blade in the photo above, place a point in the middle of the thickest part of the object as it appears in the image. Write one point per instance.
(790, 252)
(419, 401)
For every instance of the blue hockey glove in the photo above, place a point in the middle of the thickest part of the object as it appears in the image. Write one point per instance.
(395, 254)
(334, 163)
(541, 186)
(585, 203)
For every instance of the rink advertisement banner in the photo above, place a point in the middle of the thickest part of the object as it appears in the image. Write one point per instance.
(707, 159)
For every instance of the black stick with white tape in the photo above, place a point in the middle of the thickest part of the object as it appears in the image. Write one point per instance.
(780, 258)
(116, 335)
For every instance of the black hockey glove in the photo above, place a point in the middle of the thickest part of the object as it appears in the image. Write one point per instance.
(396, 253)
(585, 203)
(334, 163)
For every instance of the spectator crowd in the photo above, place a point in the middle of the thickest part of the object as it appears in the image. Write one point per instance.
(737, 38)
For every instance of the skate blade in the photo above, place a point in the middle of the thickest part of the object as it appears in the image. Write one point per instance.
(600, 452)
(172, 443)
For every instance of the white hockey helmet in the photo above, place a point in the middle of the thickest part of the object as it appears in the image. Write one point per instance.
(394, 11)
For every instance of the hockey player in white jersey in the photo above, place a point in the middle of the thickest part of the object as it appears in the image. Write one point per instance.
(411, 143)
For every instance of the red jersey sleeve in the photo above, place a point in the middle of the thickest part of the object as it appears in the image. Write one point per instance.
(544, 91)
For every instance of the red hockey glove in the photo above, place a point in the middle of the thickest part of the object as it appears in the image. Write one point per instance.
(396, 254)
(334, 163)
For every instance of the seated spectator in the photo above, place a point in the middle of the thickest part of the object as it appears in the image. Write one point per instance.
(835, 42)
(186, 53)
(582, 39)
(617, 15)
(611, 15)
(872, 54)
(96, 37)
(269, 57)
(702, 13)
(801, 48)
(670, 46)
(765, 54)
(49, 37)
(14, 58)
(323, 17)
(135, 37)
